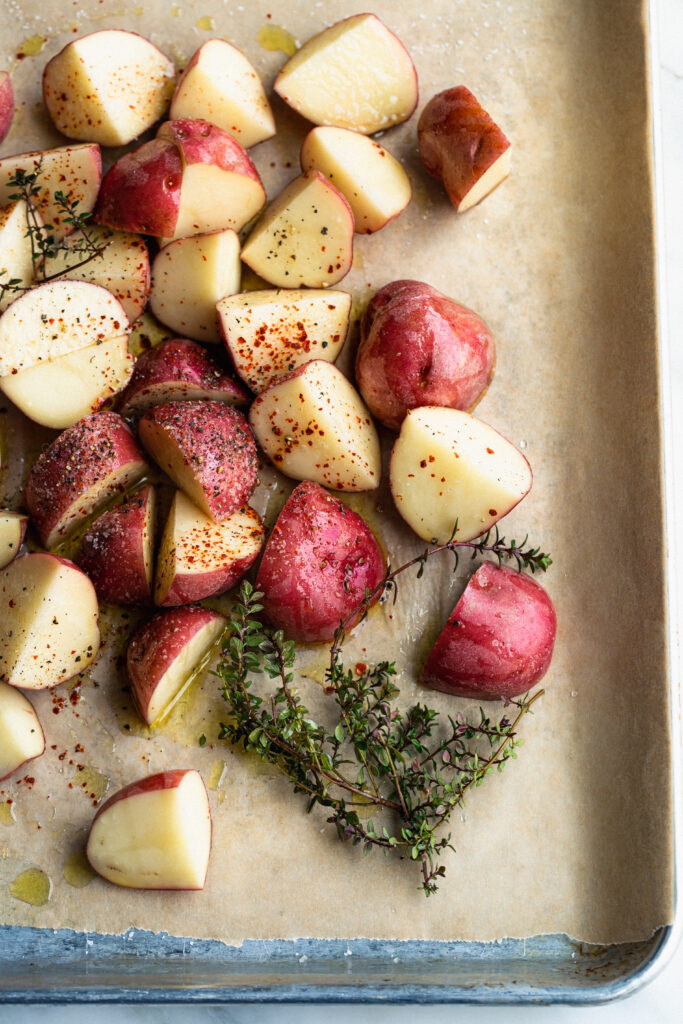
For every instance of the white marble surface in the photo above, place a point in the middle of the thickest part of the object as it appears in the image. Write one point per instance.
(662, 999)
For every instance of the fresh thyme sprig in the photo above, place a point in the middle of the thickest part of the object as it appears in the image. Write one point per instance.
(410, 767)
(44, 241)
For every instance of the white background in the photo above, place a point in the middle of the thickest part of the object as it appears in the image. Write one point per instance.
(662, 999)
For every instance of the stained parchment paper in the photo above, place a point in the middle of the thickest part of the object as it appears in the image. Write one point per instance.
(576, 835)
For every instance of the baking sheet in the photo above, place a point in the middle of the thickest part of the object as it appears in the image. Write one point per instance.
(576, 835)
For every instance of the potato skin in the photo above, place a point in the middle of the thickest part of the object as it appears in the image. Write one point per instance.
(498, 640)
(317, 564)
(420, 347)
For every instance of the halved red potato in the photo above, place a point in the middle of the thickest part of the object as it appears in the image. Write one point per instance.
(123, 267)
(199, 558)
(16, 258)
(462, 146)
(48, 610)
(318, 564)
(6, 104)
(314, 426)
(269, 333)
(154, 834)
(221, 86)
(498, 640)
(141, 191)
(21, 735)
(177, 370)
(305, 237)
(207, 449)
(355, 74)
(12, 530)
(83, 468)
(117, 551)
(164, 653)
(371, 180)
(189, 276)
(108, 87)
(74, 170)
(447, 465)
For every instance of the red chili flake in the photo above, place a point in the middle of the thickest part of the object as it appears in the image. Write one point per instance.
(361, 667)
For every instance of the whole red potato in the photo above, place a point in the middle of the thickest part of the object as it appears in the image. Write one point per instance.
(419, 347)
(498, 640)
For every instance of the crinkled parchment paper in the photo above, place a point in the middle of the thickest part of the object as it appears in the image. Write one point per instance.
(576, 835)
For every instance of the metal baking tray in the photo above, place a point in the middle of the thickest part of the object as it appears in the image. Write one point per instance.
(46, 966)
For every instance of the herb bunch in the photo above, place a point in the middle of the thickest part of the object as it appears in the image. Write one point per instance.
(411, 768)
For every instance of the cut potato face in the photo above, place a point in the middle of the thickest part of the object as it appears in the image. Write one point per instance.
(199, 558)
(355, 74)
(58, 392)
(447, 465)
(74, 170)
(314, 426)
(371, 180)
(12, 529)
(57, 318)
(21, 736)
(189, 276)
(304, 238)
(220, 85)
(212, 198)
(16, 262)
(270, 333)
(49, 612)
(154, 834)
(108, 87)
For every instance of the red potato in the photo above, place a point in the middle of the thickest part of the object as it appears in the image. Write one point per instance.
(154, 833)
(498, 640)
(12, 531)
(73, 170)
(419, 347)
(21, 735)
(317, 565)
(165, 651)
(199, 558)
(117, 551)
(6, 104)
(48, 611)
(16, 255)
(207, 449)
(81, 470)
(177, 370)
(462, 146)
(141, 191)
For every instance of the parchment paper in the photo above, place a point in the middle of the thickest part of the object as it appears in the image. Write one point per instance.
(575, 836)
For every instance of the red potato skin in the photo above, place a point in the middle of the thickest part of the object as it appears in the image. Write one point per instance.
(167, 372)
(419, 347)
(458, 141)
(112, 553)
(157, 644)
(141, 191)
(6, 104)
(215, 441)
(201, 142)
(317, 564)
(498, 640)
(188, 587)
(150, 784)
(76, 460)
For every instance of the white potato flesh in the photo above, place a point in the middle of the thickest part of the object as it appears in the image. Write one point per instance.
(172, 683)
(212, 198)
(304, 238)
(189, 276)
(16, 262)
(58, 392)
(48, 610)
(122, 268)
(108, 87)
(314, 426)
(447, 465)
(269, 333)
(54, 319)
(21, 736)
(154, 838)
(12, 527)
(355, 74)
(221, 86)
(489, 180)
(371, 179)
(74, 170)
